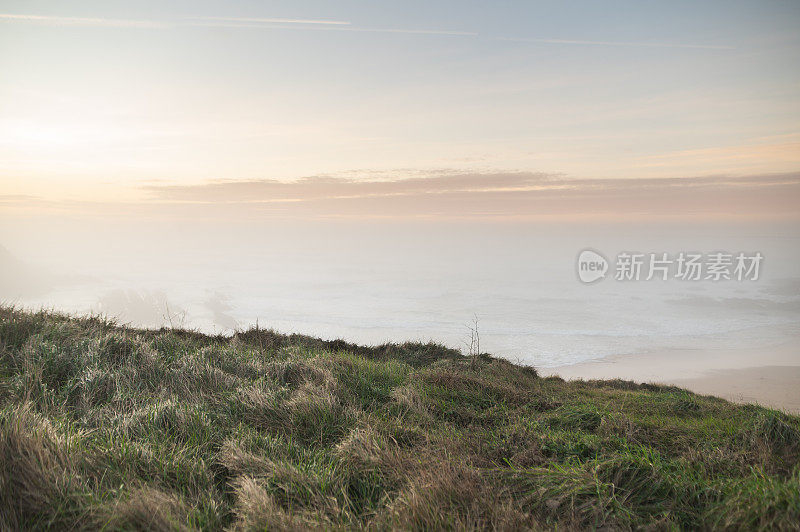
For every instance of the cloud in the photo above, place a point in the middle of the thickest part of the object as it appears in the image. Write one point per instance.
(271, 20)
(282, 23)
(643, 44)
(776, 148)
(222, 24)
(17, 198)
(521, 194)
(326, 187)
(411, 31)
(453, 195)
(275, 23)
(85, 21)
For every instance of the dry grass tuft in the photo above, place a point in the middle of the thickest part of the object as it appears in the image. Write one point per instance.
(36, 473)
(455, 497)
(256, 509)
(410, 398)
(147, 508)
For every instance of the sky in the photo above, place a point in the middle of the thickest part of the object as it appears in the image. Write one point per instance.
(364, 108)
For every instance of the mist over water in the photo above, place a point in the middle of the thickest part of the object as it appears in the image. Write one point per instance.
(393, 281)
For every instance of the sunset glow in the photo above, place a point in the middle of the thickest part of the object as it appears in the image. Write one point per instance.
(100, 100)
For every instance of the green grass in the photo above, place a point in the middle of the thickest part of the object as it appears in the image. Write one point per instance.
(108, 427)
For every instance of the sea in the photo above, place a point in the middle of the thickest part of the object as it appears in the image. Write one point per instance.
(516, 282)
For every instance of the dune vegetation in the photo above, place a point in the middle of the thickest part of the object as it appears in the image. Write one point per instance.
(109, 427)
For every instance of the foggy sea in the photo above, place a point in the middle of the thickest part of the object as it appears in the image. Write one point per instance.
(426, 280)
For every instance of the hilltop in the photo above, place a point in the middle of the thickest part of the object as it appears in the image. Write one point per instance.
(106, 426)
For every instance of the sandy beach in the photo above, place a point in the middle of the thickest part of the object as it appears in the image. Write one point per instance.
(769, 376)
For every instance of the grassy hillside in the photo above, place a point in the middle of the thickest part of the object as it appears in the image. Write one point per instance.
(103, 426)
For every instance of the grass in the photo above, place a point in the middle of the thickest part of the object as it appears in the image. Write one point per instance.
(108, 427)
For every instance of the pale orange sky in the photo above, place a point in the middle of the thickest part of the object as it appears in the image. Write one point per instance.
(108, 102)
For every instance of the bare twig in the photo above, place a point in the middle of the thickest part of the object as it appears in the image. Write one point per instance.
(474, 346)
(260, 341)
(169, 315)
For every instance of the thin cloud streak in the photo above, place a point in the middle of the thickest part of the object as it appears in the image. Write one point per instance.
(85, 21)
(324, 187)
(316, 24)
(272, 20)
(326, 28)
(618, 43)
(498, 195)
(220, 22)
(418, 32)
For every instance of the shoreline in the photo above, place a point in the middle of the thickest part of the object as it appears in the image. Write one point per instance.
(768, 376)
